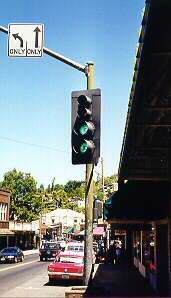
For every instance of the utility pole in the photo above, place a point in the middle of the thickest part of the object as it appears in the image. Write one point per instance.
(88, 253)
(102, 167)
(40, 220)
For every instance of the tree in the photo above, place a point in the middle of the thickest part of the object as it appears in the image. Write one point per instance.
(28, 201)
(75, 191)
(108, 186)
(25, 204)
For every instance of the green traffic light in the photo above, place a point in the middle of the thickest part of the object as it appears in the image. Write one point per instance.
(87, 128)
(83, 148)
(83, 129)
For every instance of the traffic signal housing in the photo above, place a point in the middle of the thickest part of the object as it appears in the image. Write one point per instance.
(107, 209)
(86, 109)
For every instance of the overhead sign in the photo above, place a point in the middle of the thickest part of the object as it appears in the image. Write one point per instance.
(25, 40)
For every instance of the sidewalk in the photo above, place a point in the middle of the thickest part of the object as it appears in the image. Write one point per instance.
(30, 252)
(118, 280)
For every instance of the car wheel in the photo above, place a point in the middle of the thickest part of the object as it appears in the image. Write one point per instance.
(15, 260)
(50, 280)
(41, 259)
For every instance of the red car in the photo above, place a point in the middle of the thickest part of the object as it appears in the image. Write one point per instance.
(67, 266)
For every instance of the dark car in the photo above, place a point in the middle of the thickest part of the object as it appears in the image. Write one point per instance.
(11, 254)
(49, 250)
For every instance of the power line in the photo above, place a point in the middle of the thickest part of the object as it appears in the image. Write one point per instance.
(31, 144)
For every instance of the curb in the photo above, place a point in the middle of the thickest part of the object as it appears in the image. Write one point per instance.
(30, 252)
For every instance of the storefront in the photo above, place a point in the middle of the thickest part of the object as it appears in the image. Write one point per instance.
(5, 232)
(142, 209)
(143, 253)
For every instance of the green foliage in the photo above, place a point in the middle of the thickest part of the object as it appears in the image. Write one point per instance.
(28, 200)
(108, 183)
(110, 180)
(24, 205)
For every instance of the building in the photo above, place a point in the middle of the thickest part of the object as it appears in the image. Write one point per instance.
(142, 204)
(5, 233)
(22, 234)
(54, 224)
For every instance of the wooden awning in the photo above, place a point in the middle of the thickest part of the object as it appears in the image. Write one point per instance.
(6, 232)
(138, 201)
(146, 149)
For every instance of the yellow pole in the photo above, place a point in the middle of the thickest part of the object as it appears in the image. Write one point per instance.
(88, 260)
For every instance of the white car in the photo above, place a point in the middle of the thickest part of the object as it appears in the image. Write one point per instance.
(75, 246)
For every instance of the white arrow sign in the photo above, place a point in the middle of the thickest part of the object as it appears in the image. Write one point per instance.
(25, 40)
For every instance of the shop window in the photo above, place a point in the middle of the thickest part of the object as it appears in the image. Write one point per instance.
(65, 220)
(148, 249)
(137, 245)
(3, 211)
(145, 247)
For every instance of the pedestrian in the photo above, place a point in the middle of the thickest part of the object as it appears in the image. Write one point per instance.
(118, 246)
(111, 253)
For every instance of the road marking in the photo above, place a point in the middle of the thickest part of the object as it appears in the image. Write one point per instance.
(28, 288)
(19, 265)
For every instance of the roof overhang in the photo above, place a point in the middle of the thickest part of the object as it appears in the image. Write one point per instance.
(6, 232)
(146, 149)
(140, 202)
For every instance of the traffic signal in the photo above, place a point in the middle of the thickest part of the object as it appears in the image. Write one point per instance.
(97, 210)
(107, 208)
(86, 126)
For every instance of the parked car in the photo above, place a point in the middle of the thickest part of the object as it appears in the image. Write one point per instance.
(62, 244)
(75, 246)
(49, 250)
(68, 265)
(11, 254)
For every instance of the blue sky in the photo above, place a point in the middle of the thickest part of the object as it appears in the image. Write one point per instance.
(35, 97)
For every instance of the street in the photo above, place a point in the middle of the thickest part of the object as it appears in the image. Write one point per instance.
(28, 279)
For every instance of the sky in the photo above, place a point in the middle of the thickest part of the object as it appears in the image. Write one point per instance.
(35, 97)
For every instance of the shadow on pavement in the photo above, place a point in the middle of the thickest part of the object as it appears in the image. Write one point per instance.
(63, 283)
(118, 280)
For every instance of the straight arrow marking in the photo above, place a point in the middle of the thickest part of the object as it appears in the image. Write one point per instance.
(37, 30)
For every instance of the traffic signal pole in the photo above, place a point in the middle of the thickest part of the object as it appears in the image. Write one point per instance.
(89, 71)
(88, 247)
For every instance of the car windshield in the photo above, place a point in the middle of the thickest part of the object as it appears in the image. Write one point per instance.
(75, 248)
(9, 250)
(50, 246)
(68, 259)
